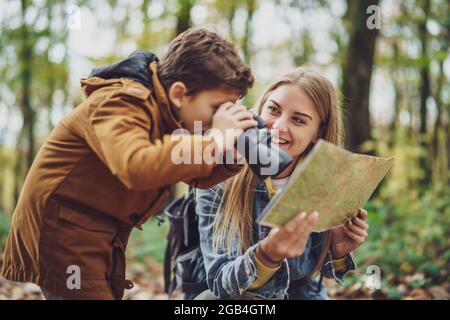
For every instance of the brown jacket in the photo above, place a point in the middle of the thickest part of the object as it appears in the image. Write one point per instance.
(105, 169)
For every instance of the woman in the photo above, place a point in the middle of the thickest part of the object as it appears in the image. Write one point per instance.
(243, 259)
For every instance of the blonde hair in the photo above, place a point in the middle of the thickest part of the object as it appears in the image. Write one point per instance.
(236, 210)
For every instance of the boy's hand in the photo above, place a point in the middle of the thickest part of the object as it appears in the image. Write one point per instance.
(228, 123)
(290, 240)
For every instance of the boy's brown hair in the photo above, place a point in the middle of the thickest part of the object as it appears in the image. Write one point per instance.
(203, 60)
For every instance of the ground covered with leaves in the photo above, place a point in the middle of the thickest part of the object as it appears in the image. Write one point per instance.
(149, 285)
(147, 276)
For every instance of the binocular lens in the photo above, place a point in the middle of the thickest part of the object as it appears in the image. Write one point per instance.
(264, 158)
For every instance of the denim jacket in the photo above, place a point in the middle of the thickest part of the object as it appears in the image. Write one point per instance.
(230, 276)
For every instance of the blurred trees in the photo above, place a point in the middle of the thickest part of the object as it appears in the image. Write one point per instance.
(34, 65)
(411, 214)
(395, 85)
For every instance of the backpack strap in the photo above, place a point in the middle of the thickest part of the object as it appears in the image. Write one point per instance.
(193, 287)
(181, 236)
(301, 282)
(168, 284)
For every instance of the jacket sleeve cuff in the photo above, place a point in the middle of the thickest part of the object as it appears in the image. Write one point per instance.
(264, 273)
(275, 288)
(340, 264)
(338, 269)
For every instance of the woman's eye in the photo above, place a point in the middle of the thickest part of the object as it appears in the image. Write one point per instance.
(272, 109)
(299, 121)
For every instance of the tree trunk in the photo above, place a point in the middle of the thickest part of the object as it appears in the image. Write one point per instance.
(439, 105)
(357, 73)
(250, 5)
(230, 14)
(26, 56)
(184, 15)
(424, 92)
(398, 100)
(145, 42)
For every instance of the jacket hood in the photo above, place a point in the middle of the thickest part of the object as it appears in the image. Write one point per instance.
(135, 67)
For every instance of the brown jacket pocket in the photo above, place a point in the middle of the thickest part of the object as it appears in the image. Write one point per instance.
(87, 221)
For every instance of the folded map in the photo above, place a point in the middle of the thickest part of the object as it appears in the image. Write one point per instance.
(333, 181)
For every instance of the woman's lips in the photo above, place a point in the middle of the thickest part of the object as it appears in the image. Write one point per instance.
(279, 140)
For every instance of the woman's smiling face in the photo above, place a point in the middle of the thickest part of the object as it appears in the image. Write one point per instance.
(292, 119)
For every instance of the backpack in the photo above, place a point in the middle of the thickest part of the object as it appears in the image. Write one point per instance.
(183, 261)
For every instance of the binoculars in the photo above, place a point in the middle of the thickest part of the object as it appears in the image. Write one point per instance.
(264, 158)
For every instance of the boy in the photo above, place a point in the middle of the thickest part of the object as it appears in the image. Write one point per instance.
(107, 167)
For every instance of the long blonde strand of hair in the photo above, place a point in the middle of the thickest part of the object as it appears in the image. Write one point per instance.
(237, 222)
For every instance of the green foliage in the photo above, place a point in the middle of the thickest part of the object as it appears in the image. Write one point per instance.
(409, 232)
(5, 224)
(409, 223)
(151, 241)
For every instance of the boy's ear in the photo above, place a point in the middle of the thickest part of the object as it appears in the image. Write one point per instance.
(177, 92)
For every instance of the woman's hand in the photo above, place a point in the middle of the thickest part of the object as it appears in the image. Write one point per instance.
(350, 236)
(288, 241)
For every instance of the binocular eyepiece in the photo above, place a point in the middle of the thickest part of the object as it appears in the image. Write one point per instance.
(264, 158)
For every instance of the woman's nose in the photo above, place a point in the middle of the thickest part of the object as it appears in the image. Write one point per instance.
(280, 124)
